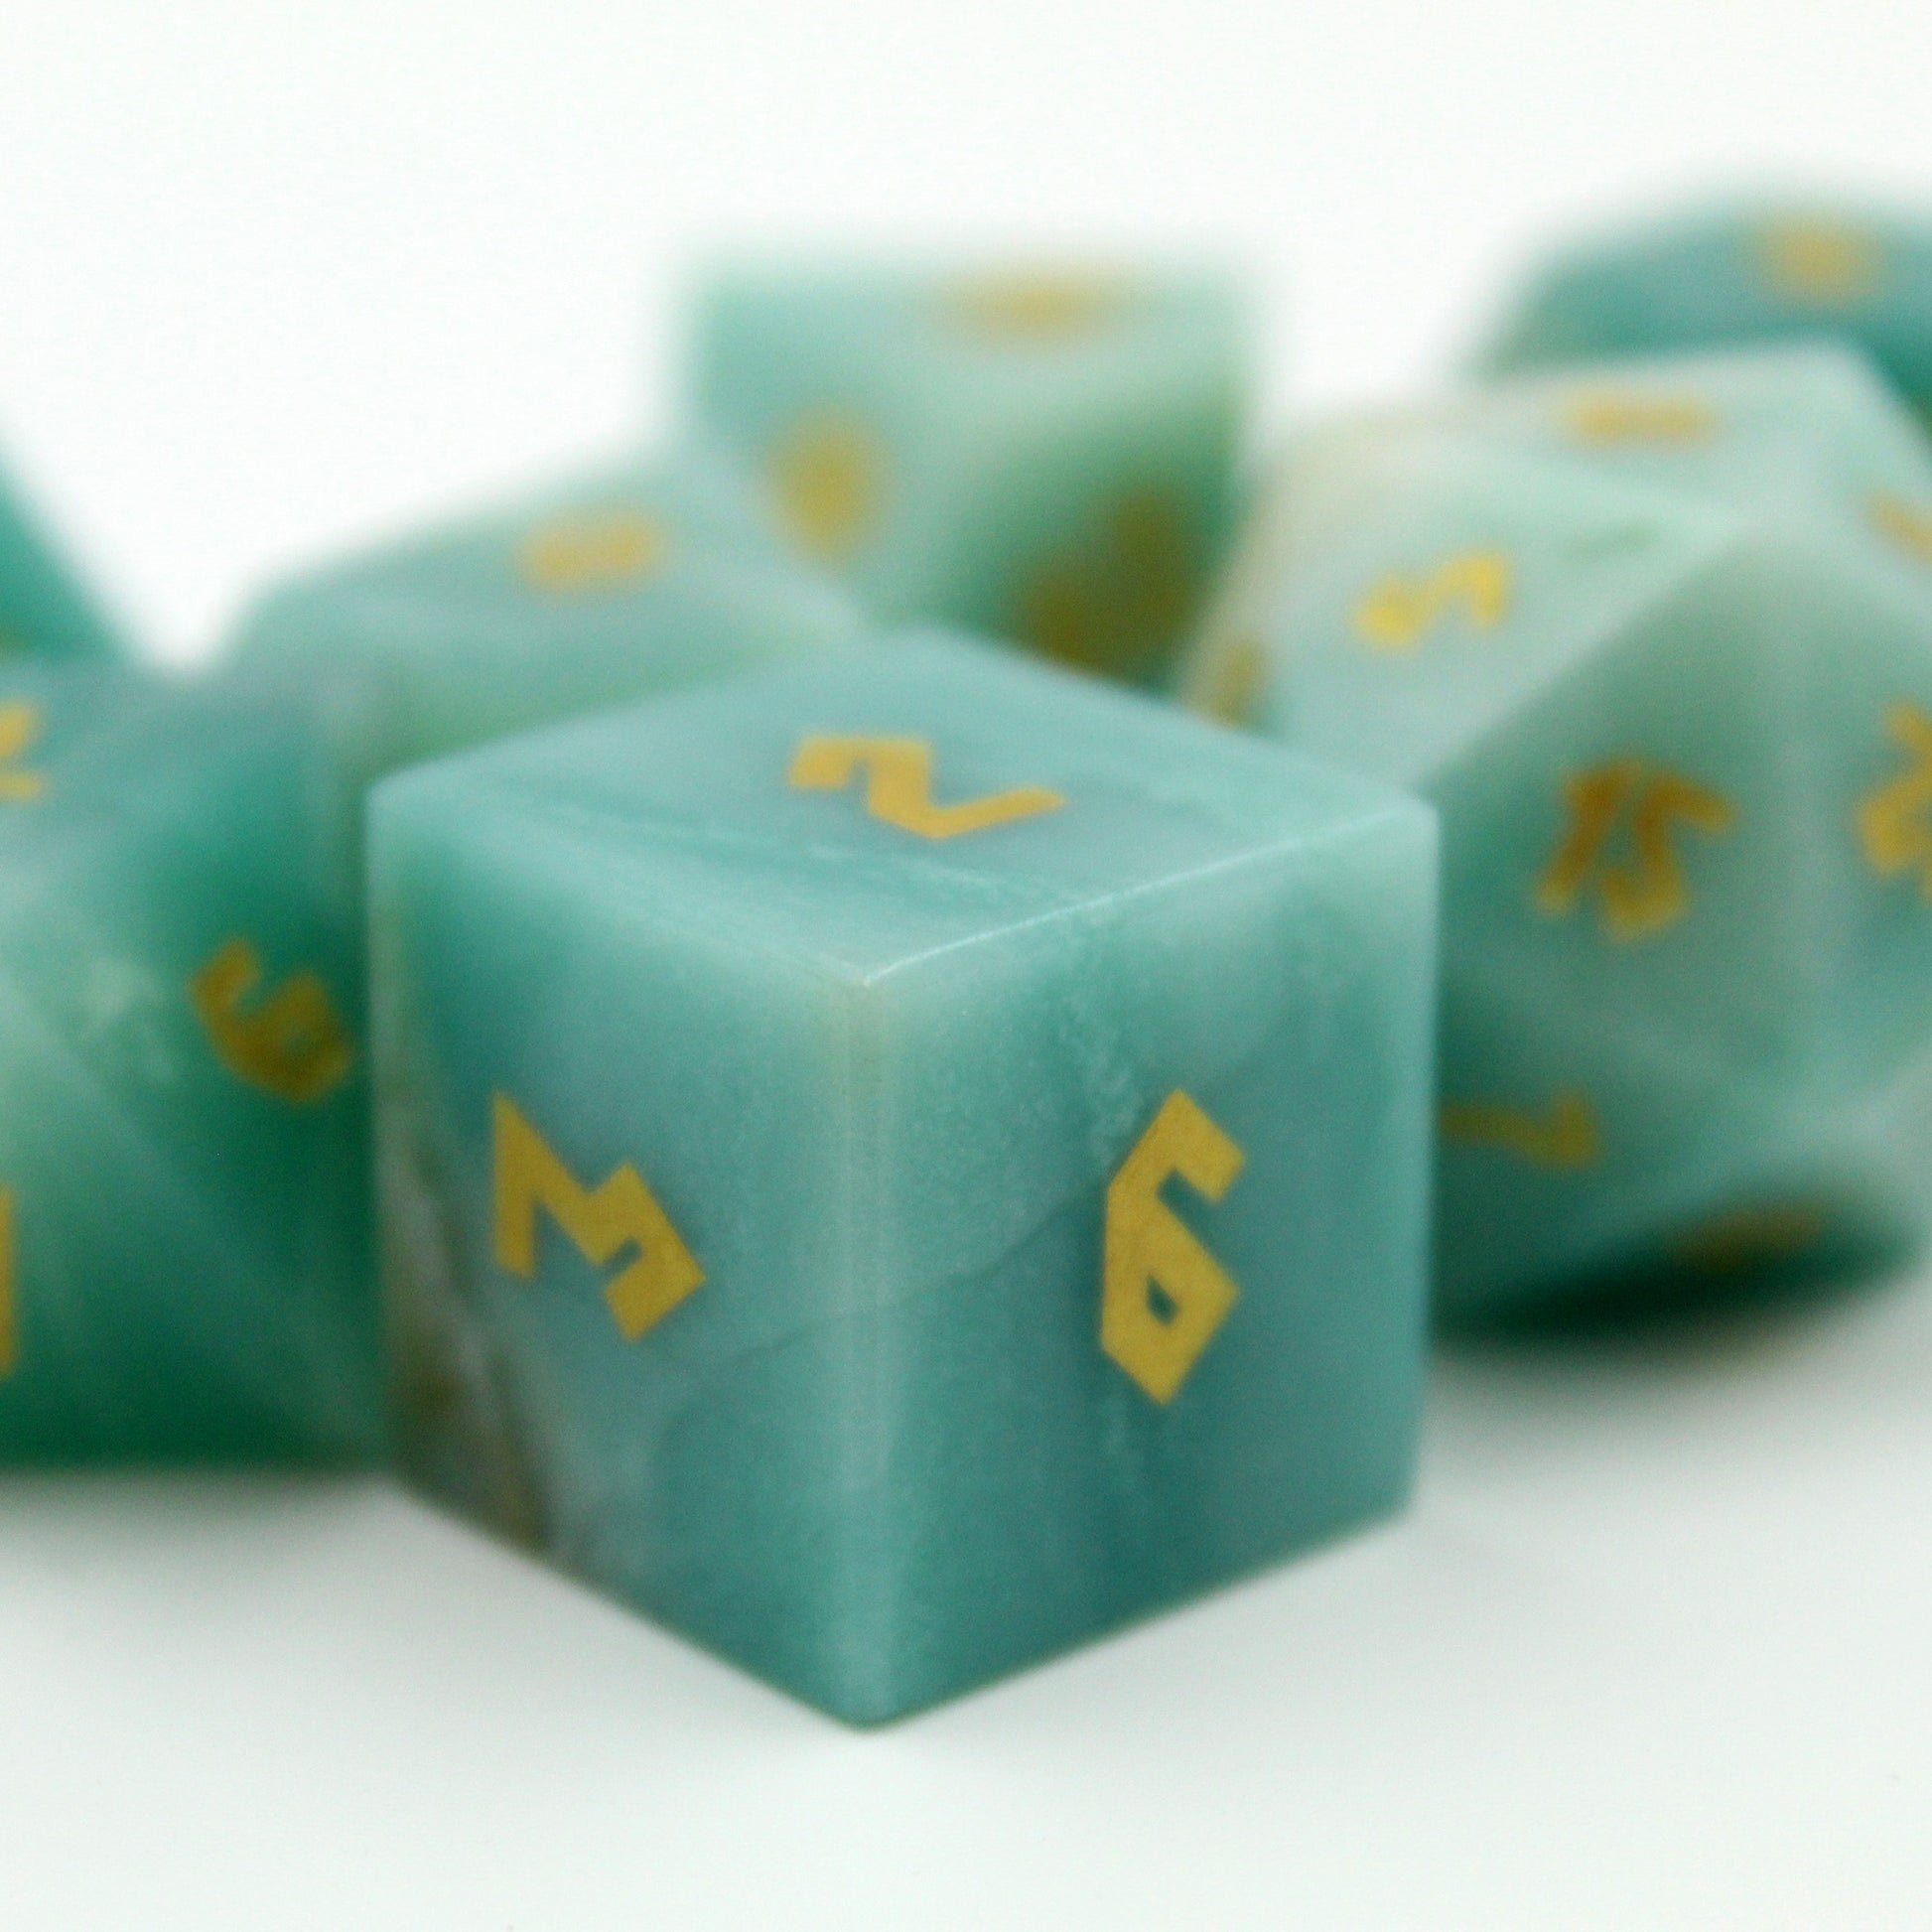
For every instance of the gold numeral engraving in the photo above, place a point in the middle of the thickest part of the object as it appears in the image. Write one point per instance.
(1617, 416)
(1820, 261)
(898, 785)
(1228, 688)
(9, 1314)
(1650, 893)
(827, 477)
(20, 726)
(1907, 524)
(1751, 1237)
(621, 1212)
(1894, 829)
(1399, 611)
(293, 1043)
(1566, 1136)
(594, 550)
(1036, 308)
(1117, 602)
(1164, 1296)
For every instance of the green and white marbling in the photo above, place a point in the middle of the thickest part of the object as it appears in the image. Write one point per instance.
(1735, 274)
(1044, 457)
(614, 586)
(184, 1270)
(877, 1068)
(1682, 743)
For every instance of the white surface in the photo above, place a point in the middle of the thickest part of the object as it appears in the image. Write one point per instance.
(1652, 1653)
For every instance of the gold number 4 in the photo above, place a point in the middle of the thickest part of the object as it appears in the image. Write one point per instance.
(1150, 1251)
(899, 786)
(292, 1044)
(621, 1212)
(1650, 893)
(1398, 612)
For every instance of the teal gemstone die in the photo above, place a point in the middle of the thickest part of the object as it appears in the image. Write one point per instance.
(1682, 745)
(1731, 275)
(1042, 457)
(185, 1265)
(614, 586)
(44, 610)
(894, 1167)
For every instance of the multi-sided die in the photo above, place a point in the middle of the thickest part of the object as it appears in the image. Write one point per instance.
(1040, 456)
(896, 1165)
(1657, 638)
(185, 1265)
(1736, 275)
(614, 586)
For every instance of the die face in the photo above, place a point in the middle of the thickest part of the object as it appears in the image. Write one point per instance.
(1736, 275)
(611, 587)
(1043, 457)
(1676, 743)
(885, 1083)
(44, 612)
(180, 958)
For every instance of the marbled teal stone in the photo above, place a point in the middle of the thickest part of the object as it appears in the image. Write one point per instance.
(1682, 744)
(616, 585)
(44, 610)
(1045, 457)
(1741, 273)
(893, 1167)
(185, 1261)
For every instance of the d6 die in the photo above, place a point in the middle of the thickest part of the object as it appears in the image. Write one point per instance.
(1042, 457)
(1737, 274)
(1683, 749)
(612, 585)
(894, 1167)
(185, 1268)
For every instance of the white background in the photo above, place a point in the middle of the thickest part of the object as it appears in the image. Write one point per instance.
(1655, 1649)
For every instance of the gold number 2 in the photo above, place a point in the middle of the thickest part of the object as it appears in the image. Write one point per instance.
(621, 1212)
(1398, 612)
(1150, 1252)
(1650, 893)
(292, 1044)
(899, 786)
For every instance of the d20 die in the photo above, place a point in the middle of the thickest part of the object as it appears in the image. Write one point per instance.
(1735, 274)
(614, 586)
(896, 1168)
(185, 1265)
(44, 610)
(1681, 752)
(1042, 457)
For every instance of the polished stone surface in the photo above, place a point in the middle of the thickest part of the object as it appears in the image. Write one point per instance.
(894, 1167)
(1046, 456)
(183, 1205)
(610, 586)
(1657, 638)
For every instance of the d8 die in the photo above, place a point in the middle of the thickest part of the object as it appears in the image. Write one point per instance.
(1737, 274)
(185, 1268)
(44, 610)
(614, 586)
(1683, 750)
(1047, 457)
(894, 1167)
